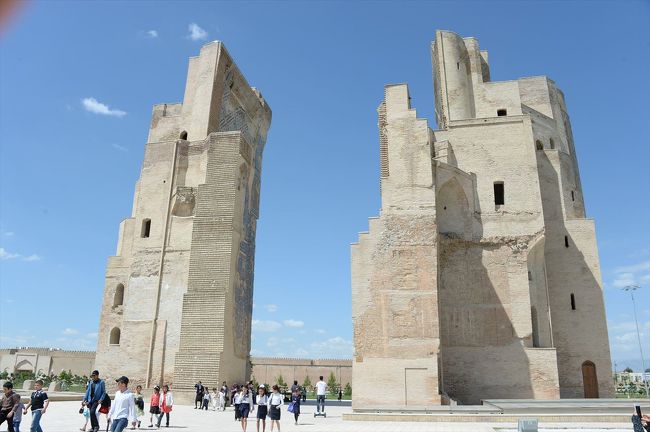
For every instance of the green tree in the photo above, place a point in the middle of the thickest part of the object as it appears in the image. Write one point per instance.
(306, 383)
(348, 390)
(628, 370)
(332, 385)
(647, 370)
(280, 382)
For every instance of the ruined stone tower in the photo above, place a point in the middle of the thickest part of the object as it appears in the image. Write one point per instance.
(178, 293)
(480, 278)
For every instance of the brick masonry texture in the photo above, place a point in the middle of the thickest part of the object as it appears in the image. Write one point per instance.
(461, 292)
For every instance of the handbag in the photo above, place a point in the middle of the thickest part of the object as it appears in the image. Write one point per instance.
(105, 404)
(290, 407)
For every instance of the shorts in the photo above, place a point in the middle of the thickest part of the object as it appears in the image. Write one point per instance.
(275, 412)
(262, 410)
(244, 409)
(154, 410)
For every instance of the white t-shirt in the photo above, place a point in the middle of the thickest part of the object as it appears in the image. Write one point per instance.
(320, 388)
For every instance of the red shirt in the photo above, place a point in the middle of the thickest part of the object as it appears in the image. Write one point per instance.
(155, 399)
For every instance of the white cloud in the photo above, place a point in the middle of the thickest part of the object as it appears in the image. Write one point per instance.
(635, 274)
(271, 342)
(623, 280)
(635, 268)
(335, 347)
(271, 308)
(94, 106)
(624, 341)
(152, 34)
(119, 147)
(196, 32)
(6, 255)
(91, 335)
(266, 326)
(70, 331)
(6, 340)
(8, 233)
(320, 331)
(293, 323)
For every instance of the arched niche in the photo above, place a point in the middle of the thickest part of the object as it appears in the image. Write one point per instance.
(115, 336)
(452, 210)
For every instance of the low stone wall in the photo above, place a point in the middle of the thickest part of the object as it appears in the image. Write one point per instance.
(46, 360)
(267, 370)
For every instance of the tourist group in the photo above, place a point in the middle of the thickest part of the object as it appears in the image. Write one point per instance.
(128, 408)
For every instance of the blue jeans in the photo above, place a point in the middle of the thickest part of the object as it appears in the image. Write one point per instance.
(118, 425)
(160, 417)
(320, 402)
(36, 421)
(16, 425)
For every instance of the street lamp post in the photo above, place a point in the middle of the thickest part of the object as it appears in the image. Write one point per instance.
(631, 289)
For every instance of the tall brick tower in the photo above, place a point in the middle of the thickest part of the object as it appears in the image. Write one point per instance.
(178, 293)
(480, 278)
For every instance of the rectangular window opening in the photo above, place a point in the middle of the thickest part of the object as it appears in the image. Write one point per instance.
(573, 197)
(502, 112)
(566, 241)
(499, 194)
(146, 228)
(573, 302)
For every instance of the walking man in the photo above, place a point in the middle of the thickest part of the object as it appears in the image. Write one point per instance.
(321, 388)
(199, 395)
(38, 402)
(224, 390)
(122, 410)
(95, 393)
(9, 405)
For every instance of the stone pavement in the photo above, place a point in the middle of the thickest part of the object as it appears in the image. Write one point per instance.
(64, 417)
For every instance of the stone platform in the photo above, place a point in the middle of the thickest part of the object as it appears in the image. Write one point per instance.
(63, 417)
(569, 411)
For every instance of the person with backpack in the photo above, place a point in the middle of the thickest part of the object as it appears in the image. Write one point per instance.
(95, 394)
(139, 404)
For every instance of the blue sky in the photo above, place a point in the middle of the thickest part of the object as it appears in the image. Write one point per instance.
(68, 167)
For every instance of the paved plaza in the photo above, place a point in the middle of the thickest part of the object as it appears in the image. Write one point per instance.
(64, 417)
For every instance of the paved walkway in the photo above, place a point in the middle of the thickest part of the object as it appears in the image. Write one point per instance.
(64, 417)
